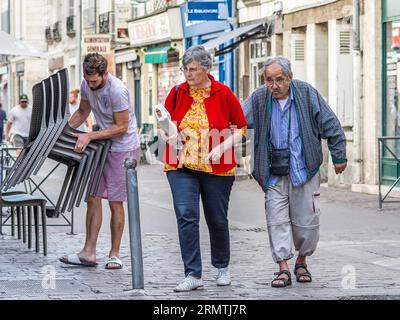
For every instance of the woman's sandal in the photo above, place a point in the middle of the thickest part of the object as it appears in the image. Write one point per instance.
(283, 282)
(300, 276)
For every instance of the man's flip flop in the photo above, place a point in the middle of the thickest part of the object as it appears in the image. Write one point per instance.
(114, 260)
(75, 260)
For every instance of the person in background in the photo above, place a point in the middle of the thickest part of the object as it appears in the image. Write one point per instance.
(19, 121)
(87, 126)
(3, 117)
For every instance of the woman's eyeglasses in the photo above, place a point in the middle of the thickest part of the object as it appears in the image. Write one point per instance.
(189, 70)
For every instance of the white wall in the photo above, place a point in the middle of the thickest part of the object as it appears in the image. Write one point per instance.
(299, 55)
(321, 62)
(266, 8)
(372, 50)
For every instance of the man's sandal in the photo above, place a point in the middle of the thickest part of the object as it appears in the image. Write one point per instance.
(302, 277)
(283, 282)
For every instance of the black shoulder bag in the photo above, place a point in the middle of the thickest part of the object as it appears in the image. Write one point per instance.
(280, 158)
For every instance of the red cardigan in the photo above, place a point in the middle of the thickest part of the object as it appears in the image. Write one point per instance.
(222, 108)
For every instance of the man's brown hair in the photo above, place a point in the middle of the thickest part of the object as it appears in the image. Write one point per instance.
(95, 63)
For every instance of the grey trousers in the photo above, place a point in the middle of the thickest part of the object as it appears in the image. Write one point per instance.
(293, 218)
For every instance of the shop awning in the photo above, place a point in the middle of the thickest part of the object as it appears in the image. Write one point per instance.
(238, 35)
(9, 46)
(156, 55)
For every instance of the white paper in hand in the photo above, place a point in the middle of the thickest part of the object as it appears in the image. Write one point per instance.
(166, 124)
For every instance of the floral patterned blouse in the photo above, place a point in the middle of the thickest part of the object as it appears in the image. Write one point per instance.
(194, 129)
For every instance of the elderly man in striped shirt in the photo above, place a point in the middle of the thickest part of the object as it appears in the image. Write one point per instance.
(289, 118)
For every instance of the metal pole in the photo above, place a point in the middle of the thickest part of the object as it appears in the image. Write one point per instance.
(356, 25)
(380, 174)
(1, 208)
(134, 224)
(80, 41)
(9, 17)
(95, 16)
(358, 128)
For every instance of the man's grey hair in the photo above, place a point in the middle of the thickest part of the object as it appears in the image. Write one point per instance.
(283, 62)
(197, 54)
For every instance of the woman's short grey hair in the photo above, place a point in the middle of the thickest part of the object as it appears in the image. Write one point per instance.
(197, 54)
(283, 62)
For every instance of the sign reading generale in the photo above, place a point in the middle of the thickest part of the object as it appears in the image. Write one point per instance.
(97, 43)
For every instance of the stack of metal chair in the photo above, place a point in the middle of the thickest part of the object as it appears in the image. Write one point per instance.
(51, 137)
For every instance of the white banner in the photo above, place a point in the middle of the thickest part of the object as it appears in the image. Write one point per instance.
(123, 13)
(148, 30)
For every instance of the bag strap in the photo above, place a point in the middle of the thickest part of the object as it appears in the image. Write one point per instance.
(176, 94)
(290, 121)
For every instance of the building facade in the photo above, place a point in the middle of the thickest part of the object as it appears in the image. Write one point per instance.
(337, 47)
(390, 64)
(348, 49)
(59, 29)
(23, 20)
(156, 45)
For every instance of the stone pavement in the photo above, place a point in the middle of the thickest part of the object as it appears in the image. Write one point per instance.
(358, 256)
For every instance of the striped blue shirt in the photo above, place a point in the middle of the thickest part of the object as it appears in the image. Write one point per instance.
(279, 139)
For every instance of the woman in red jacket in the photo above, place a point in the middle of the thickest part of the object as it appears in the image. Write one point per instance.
(210, 121)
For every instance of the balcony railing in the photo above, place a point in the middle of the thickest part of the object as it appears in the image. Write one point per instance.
(57, 31)
(71, 27)
(249, 3)
(49, 35)
(157, 5)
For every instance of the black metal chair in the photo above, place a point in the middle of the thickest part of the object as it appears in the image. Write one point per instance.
(21, 204)
(36, 161)
(37, 130)
(56, 140)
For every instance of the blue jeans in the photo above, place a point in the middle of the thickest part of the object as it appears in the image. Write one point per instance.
(187, 186)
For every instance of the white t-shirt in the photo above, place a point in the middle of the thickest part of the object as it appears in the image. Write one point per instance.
(72, 109)
(282, 102)
(21, 120)
(113, 97)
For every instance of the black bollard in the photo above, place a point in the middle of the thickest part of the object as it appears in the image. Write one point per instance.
(134, 224)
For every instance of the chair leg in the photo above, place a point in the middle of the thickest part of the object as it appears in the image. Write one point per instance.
(44, 231)
(23, 211)
(36, 222)
(63, 189)
(19, 222)
(69, 191)
(12, 222)
(30, 227)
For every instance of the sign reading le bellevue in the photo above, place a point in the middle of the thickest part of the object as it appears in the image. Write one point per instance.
(207, 11)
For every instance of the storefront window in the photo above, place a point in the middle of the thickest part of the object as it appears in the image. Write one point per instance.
(215, 70)
(169, 75)
(392, 125)
(118, 71)
(150, 94)
(258, 53)
(392, 8)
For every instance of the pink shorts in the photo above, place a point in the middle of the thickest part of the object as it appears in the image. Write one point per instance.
(113, 180)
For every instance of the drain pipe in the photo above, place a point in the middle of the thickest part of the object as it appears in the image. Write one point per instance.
(357, 166)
